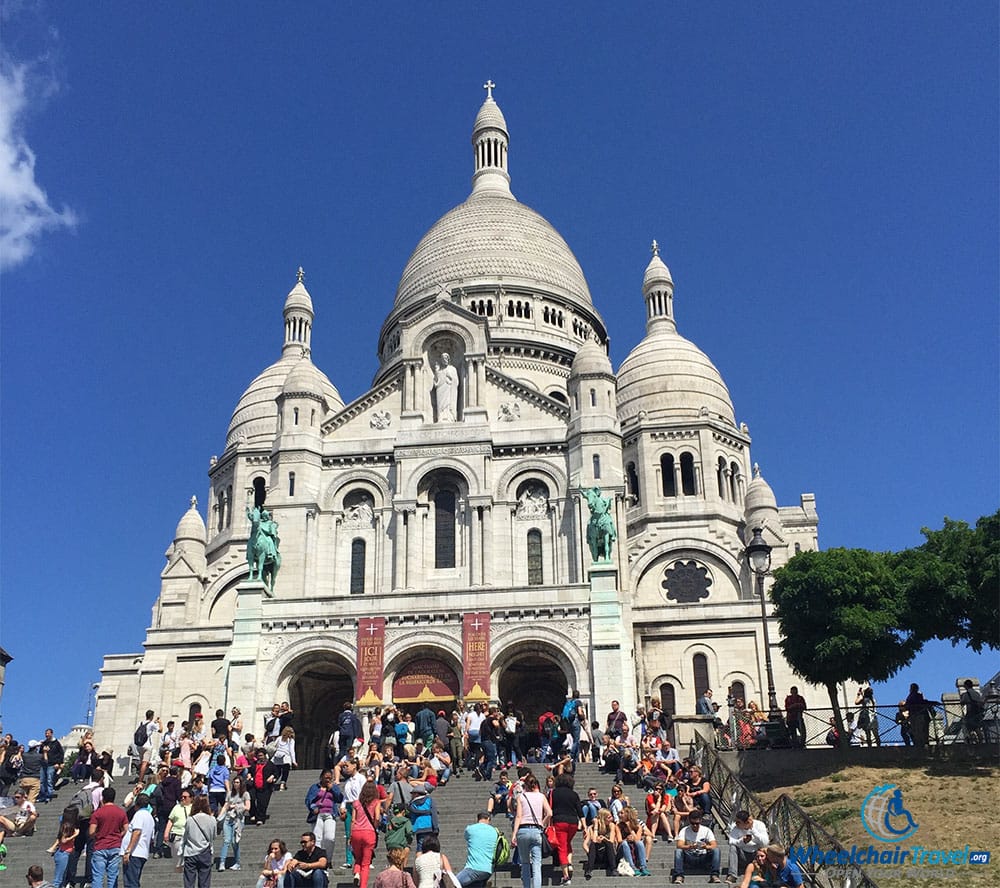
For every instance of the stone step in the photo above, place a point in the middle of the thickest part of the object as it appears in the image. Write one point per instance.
(458, 803)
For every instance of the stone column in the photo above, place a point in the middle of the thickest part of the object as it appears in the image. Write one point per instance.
(399, 548)
(240, 669)
(476, 542)
(487, 544)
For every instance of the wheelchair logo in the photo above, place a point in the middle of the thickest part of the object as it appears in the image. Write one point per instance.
(884, 817)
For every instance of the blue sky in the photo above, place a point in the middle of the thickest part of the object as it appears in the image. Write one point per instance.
(822, 179)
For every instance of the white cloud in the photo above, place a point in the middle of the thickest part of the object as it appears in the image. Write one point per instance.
(25, 211)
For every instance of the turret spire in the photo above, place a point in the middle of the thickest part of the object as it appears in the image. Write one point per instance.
(298, 318)
(658, 291)
(489, 144)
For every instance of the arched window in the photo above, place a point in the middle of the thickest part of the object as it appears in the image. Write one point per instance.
(633, 481)
(535, 577)
(259, 492)
(194, 710)
(444, 529)
(229, 505)
(721, 476)
(688, 484)
(291, 484)
(220, 506)
(593, 397)
(558, 396)
(358, 567)
(597, 467)
(700, 665)
(667, 473)
(739, 691)
(734, 477)
(295, 416)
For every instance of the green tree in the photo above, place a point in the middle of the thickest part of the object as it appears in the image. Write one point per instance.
(952, 583)
(840, 613)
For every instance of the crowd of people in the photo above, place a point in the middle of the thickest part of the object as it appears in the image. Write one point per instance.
(198, 787)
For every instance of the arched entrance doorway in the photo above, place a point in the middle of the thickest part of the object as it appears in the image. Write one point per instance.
(426, 679)
(320, 685)
(534, 681)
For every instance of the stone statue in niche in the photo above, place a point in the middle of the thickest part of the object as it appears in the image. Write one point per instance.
(380, 419)
(533, 503)
(360, 514)
(446, 389)
(509, 411)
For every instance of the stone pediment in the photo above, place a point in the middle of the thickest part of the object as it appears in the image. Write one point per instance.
(180, 567)
(373, 414)
(512, 401)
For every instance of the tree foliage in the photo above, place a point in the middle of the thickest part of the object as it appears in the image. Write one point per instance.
(952, 583)
(840, 613)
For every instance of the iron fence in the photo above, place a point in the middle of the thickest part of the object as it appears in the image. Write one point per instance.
(941, 724)
(786, 822)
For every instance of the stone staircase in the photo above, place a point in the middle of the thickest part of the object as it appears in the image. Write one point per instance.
(457, 803)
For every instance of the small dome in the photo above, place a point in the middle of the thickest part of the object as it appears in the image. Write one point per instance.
(657, 273)
(758, 495)
(305, 379)
(191, 526)
(255, 419)
(590, 359)
(489, 117)
(669, 377)
(298, 297)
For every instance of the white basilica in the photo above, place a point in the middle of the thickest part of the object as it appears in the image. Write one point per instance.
(433, 531)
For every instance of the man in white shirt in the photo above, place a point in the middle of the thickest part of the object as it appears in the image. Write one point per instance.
(151, 748)
(697, 848)
(136, 842)
(746, 835)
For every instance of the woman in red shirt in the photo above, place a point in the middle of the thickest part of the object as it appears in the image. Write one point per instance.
(367, 811)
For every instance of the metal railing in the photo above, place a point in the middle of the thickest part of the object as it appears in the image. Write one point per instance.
(786, 822)
(943, 724)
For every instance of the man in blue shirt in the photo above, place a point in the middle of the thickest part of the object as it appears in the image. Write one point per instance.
(480, 842)
(785, 872)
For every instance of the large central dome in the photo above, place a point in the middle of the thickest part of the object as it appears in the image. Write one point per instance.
(490, 239)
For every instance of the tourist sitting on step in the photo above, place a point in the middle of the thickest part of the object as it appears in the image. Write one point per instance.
(600, 844)
(697, 848)
(746, 837)
(275, 861)
(307, 869)
(637, 841)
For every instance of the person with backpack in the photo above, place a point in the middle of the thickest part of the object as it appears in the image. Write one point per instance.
(481, 839)
(572, 717)
(348, 728)
(145, 741)
(513, 726)
(423, 814)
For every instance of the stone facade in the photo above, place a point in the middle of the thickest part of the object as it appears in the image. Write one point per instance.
(455, 485)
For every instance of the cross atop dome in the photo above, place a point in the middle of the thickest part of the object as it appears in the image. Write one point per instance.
(301, 274)
(655, 248)
(489, 86)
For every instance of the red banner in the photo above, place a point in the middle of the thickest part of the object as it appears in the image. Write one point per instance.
(371, 659)
(425, 680)
(476, 656)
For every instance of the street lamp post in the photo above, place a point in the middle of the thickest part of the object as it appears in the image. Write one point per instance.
(759, 556)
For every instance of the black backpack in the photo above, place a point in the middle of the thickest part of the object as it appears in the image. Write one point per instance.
(140, 736)
(345, 724)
